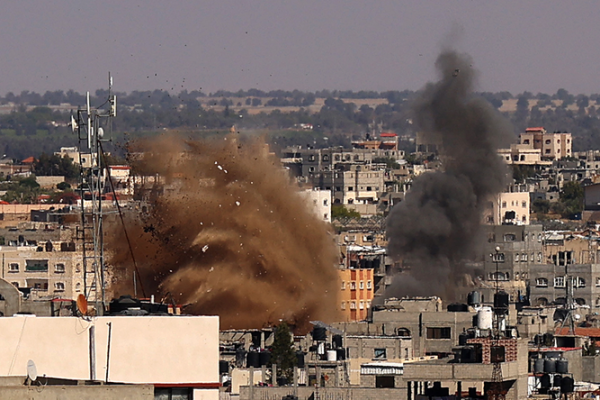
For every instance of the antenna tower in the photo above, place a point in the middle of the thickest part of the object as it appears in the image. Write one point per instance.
(92, 180)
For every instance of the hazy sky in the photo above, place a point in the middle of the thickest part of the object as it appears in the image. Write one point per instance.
(517, 45)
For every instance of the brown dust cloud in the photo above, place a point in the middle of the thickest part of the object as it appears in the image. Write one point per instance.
(225, 232)
(437, 228)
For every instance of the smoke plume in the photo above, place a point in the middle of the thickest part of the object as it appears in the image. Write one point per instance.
(435, 228)
(225, 232)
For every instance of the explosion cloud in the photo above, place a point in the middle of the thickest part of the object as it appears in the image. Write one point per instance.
(227, 233)
(437, 225)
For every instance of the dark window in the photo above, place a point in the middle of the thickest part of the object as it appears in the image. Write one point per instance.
(438, 333)
(384, 381)
(380, 354)
(36, 265)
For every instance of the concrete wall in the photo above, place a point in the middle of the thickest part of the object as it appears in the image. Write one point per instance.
(142, 349)
(304, 393)
(104, 392)
(591, 368)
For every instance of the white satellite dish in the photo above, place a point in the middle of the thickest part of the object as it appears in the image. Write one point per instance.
(31, 371)
(74, 125)
(100, 132)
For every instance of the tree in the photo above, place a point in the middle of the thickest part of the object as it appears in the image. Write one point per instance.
(571, 199)
(340, 211)
(282, 352)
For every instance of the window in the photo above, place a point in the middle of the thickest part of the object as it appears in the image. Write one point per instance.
(547, 151)
(539, 257)
(311, 169)
(13, 267)
(524, 257)
(361, 305)
(78, 287)
(526, 141)
(338, 188)
(548, 141)
(350, 189)
(516, 276)
(369, 188)
(524, 204)
(509, 237)
(353, 305)
(438, 333)
(579, 282)
(559, 281)
(59, 286)
(343, 305)
(597, 281)
(516, 257)
(59, 268)
(36, 265)
(380, 354)
(311, 157)
(343, 285)
(325, 157)
(369, 287)
(15, 284)
(541, 282)
(499, 276)
(361, 285)
(352, 285)
(503, 204)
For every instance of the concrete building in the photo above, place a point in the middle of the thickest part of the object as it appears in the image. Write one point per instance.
(170, 353)
(507, 208)
(320, 202)
(522, 154)
(356, 293)
(549, 283)
(553, 146)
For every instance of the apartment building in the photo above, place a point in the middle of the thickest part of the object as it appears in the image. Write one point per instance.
(507, 208)
(553, 146)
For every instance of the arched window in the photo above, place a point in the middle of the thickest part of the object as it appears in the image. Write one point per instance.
(403, 332)
(541, 301)
(498, 276)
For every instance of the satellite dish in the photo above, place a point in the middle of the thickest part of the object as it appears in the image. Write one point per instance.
(74, 125)
(82, 304)
(100, 132)
(31, 371)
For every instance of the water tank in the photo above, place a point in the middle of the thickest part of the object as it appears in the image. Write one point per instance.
(223, 367)
(538, 366)
(562, 366)
(567, 385)
(467, 354)
(549, 365)
(538, 339)
(240, 356)
(300, 359)
(264, 357)
(458, 307)
(337, 341)
(341, 354)
(548, 339)
(252, 359)
(484, 318)
(545, 381)
(256, 339)
(462, 339)
(556, 381)
(319, 333)
(473, 298)
(501, 301)
(331, 355)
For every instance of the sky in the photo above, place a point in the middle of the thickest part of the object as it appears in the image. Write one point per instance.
(516, 45)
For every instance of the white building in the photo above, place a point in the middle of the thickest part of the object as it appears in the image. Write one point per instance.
(320, 202)
(165, 351)
(507, 208)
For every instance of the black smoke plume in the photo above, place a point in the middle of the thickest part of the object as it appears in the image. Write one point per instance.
(436, 227)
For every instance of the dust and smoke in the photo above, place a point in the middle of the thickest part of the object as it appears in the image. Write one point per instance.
(436, 227)
(226, 232)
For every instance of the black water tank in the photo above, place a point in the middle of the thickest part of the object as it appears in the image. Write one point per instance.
(538, 339)
(549, 365)
(548, 339)
(567, 385)
(556, 381)
(545, 381)
(458, 307)
(300, 359)
(264, 357)
(467, 354)
(341, 354)
(473, 298)
(538, 366)
(501, 301)
(319, 333)
(252, 359)
(338, 341)
(240, 355)
(462, 339)
(562, 366)
(223, 367)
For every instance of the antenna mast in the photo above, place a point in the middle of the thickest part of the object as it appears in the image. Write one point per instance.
(92, 179)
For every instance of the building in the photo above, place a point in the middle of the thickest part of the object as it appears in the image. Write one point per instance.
(508, 208)
(553, 146)
(177, 355)
(356, 292)
(522, 154)
(319, 201)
